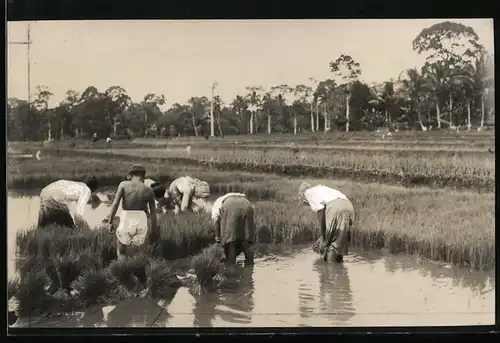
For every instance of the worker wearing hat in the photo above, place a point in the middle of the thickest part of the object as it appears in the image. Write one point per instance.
(138, 204)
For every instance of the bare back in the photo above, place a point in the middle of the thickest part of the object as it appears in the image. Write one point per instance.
(136, 196)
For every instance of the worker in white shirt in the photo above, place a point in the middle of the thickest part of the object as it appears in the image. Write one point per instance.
(335, 214)
(63, 202)
(188, 194)
(233, 217)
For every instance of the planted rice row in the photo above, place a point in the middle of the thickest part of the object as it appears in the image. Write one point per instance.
(407, 172)
(399, 224)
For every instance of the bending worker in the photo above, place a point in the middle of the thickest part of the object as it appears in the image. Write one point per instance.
(335, 215)
(233, 217)
(138, 204)
(188, 194)
(63, 202)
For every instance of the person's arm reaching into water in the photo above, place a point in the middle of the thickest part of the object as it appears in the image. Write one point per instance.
(114, 206)
(187, 197)
(152, 211)
(216, 219)
(322, 223)
(83, 200)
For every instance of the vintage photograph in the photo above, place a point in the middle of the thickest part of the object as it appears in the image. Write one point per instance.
(251, 173)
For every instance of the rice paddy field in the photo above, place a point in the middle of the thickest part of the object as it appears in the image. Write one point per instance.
(427, 199)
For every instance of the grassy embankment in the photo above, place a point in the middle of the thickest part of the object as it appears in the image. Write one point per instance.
(444, 226)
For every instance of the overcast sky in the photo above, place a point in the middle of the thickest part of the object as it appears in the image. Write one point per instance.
(181, 59)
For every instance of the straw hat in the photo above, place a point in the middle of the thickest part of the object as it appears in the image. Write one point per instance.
(304, 186)
(136, 168)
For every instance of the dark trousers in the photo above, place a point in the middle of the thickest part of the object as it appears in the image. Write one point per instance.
(55, 215)
(233, 249)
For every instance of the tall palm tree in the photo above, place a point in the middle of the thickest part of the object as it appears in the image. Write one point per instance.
(413, 91)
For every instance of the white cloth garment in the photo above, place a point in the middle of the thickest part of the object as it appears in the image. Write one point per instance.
(74, 194)
(320, 195)
(216, 207)
(133, 227)
(149, 182)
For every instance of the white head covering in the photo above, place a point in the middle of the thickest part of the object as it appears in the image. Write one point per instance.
(149, 182)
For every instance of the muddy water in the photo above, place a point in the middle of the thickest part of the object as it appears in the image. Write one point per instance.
(296, 289)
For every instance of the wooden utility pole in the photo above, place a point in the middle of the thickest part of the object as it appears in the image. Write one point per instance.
(28, 43)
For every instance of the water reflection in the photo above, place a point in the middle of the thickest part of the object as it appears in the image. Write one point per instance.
(459, 277)
(233, 304)
(335, 292)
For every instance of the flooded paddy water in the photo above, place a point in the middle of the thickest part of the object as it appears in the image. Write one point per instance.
(292, 287)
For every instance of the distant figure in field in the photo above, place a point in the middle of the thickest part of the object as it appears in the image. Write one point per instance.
(335, 215)
(188, 194)
(95, 137)
(108, 140)
(233, 217)
(138, 203)
(63, 202)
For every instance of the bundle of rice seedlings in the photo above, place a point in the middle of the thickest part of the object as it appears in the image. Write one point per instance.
(12, 286)
(319, 246)
(32, 295)
(94, 286)
(63, 270)
(13, 305)
(131, 272)
(162, 282)
(206, 267)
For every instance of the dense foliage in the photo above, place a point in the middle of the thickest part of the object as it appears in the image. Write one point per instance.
(455, 87)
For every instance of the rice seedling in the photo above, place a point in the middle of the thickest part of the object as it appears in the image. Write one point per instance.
(31, 294)
(28, 174)
(473, 172)
(12, 286)
(206, 267)
(94, 286)
(162, 280)
(131, 272)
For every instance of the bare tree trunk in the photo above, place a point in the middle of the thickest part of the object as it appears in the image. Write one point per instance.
(422, 126)
(469, 126)
(317, 117)
(451, 110)
(50, 131)
(325, 114)
(62, 130)
(347, 114)
(194, 125)
(386, 117)
(268, 122)
(294, 123)
(438, 115)
(251, 122)
(218, 125)
(312, 117)
(482, 112)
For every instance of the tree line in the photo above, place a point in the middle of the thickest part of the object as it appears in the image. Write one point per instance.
(454, 88)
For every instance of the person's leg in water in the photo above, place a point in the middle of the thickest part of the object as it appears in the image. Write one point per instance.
(341, 241)
(230, 252)
(121, 251)
(249, 253)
